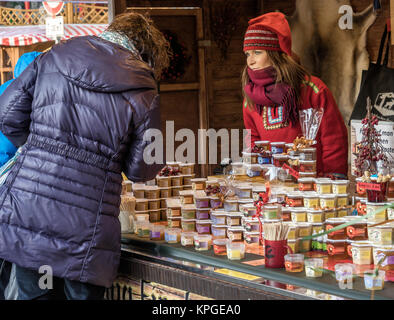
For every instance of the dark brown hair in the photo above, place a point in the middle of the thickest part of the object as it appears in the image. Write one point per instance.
(148, 40)
(287, 70)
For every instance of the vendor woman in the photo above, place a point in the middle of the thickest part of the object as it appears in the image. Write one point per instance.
(276, 87)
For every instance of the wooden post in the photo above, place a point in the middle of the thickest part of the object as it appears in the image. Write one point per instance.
(119, 6)
(260, 5)
(392, 18)
(69, 13)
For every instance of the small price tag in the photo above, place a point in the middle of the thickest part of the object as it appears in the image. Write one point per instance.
(370, 186)
(292, 172)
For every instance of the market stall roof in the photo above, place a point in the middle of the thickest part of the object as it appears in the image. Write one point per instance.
(27, 35)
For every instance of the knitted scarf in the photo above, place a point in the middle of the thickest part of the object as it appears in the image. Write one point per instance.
(263, 90)
(120, 40)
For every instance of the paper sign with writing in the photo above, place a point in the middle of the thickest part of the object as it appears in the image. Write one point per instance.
(370, 186)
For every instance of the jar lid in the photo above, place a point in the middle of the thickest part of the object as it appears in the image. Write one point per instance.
(151, 188)
(308, 150)
(378, 204)
(174, 218)
(237, 164)
(203, 209)
(317, 224)
(286, 209)
(295, 195)
(188, 175)
(188, 220)
(259, 189)
(306, 180)
(127, 182)
(234, 214)
(308, 161)
(175, 230)
(186, 164)
(220, 242)
(201, 197)
(198, 180)
(328, 196)
(272, 207)
(340, 181)
(188, 207)
(308, 174)
(323, 181)
(137, 186)
(250, 220)
(203, 237)
(262, 142)
(204, 221)
(313, 211)
(271, 221)
(334, 241)
(291, 144)
(311, 195)
(342, 195)
(235, 229)
(361, 199)
(219, 213)
(280, 156)
(231, 200)
(361, 243)
(163, 177)
(186, 193)
(252, 233)
(383, 248)
(141, 200)
(336, 220)
(249, 154)
(298, 209)
(219, 226)
(304, 224)
(277, 143)
(248, 205)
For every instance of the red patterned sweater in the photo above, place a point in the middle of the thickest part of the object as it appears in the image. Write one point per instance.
(332, 137)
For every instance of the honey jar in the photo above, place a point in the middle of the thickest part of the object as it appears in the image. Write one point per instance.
(165, 192)
(172, 235)
(203, 213)
(390, 192)
(202, 202)
(330, 213)
(384, 255)
(277, 147)
(307, 165)
(138, 190)
(339, 234)
(294, 245)
(187, 238)
(306, 184)
(202, 242)
(262, 144)
(342, 200)
(337, 248)
(381, 235)
(233, 219)
(152, 192)
(250, 158)
(308, 154)
(361, 206)
(163, 182)
(248, 210)
(294, 262)
(250, 224)
(174, 222)
(154, 215)
(327, 201)
(219, 247)
(279, 160)
(308, 175)
(231, 205)
(173, 210)
(340, 186)
(244, 191)
(304, 245)
(175, 191)
(215, 202)
(218, 217)
(304, 229)
(198, 183)
(188, 225)
(163, 214)
(272, 212)
(315, 215)
(203, 226)
(264, 158)
(378, 196)
(295, 200)
(298, 214)
(343, 212)
(187, 179)
(186, 168)
(323, 186)
(154, 204)
(293, 231)
(143, 229)
(219, 231)
(141, 204)
(360, 251)
(186, 197)
(235, 233)
(157, 232)
(379, 216)
(311, 200)
(189, 211)
(252, 238)
(390, 213)
(358, 231)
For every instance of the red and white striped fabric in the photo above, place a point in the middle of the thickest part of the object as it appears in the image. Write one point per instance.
(27, 35)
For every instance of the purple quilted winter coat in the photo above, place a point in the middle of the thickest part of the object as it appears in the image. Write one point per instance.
(81, 110)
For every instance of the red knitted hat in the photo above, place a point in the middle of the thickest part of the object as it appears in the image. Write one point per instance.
(271, 31)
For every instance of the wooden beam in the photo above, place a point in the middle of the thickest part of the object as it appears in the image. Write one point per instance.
(119, 6)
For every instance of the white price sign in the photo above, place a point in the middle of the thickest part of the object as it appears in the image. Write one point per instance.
(54, 27)
(385, 128)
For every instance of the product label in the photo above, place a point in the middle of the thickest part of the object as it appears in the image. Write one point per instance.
(187, 241)
(304, 232)
(251, 239)
(311, 203)
(276, 150)
(298, 217)
(203, 229)
(370, 186)
(218, 232)
(155, 234)
(202, 215)
(263, 160)
(170, 237)
(390, 213)
(235, 236)
(201, 244)
(314, 217)
(361, 256)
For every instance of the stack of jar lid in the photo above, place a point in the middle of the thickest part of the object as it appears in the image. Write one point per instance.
(182, 181)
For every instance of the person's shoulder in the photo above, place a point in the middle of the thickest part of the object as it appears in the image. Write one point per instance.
(315, 84)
